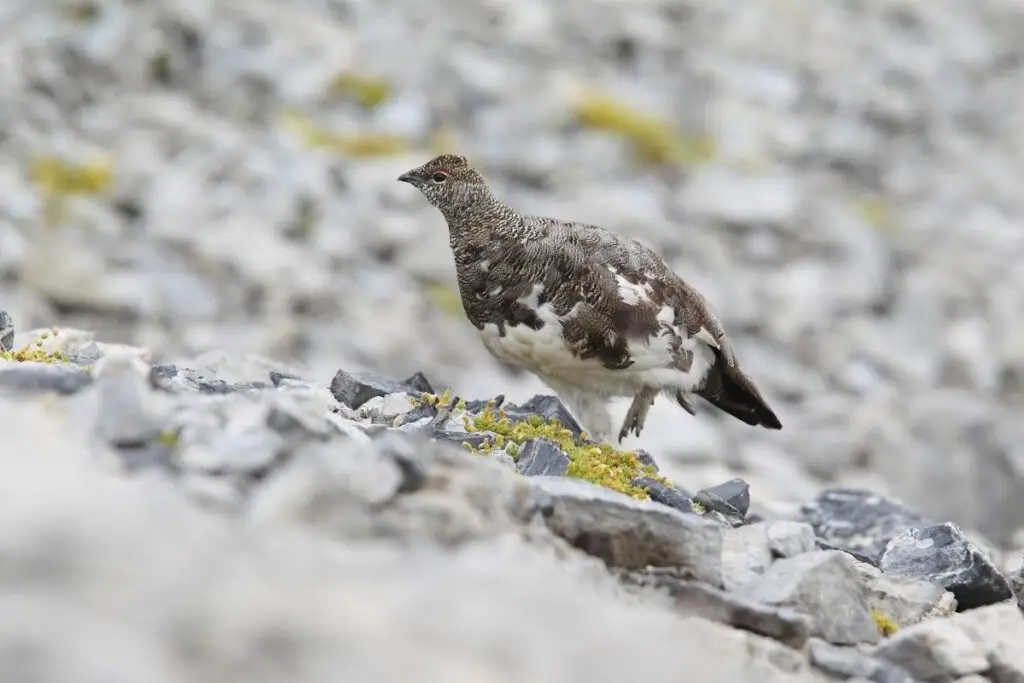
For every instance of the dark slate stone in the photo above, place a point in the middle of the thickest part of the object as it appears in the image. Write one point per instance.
(542, 456)
(547, 407)
(6, 331)
(419, 412)
(858, 521)
(942, 555)
(844, 662)
(276, 377)
(1016, 579)
(474, 439)
(666, 495)
(646, 458)
(822, 544)
(731, 498)
(356, 388)
(476, 407)
(172, 379)
(417, 384)
(39, 378)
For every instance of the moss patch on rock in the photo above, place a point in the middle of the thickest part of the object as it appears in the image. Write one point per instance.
(34, 352)
(364, 144)
(599, 464)
(886, 626)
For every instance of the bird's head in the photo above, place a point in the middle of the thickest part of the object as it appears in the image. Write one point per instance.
(447, 181)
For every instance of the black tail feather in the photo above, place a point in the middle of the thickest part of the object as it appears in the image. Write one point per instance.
(731, 391)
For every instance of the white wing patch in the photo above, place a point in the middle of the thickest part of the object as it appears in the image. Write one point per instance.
(630, 293)
(545, 353)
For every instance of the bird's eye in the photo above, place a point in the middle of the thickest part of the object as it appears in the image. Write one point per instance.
(439, 177)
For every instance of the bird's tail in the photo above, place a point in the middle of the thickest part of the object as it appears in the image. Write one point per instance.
(729, 390)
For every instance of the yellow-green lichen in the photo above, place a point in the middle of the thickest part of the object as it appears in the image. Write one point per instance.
(654, 140)
(368, 144)
(599, 464)
(34, 352)
(698, 507)
(886, 626)
(58, 180)
(444, 400)
(168, 438)
(444, 297)
(368, 92)
(875, 212)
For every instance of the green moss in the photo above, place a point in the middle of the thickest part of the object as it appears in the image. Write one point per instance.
(886, 626)
(349, 144)
(698, 507)
(654, 140)
(599, 464)
(58, 179)
(368, 92)
(441, 402)
(168, 438)
(875, 212)
(33, 351)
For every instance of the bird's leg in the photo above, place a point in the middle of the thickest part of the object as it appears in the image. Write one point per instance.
(591, 412)
(637, 413)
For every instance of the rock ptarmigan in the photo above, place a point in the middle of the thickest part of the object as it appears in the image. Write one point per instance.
(593, 314)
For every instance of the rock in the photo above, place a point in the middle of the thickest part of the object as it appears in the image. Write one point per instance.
(789, 539)
(943, 555)
(418, 384)
(732, 498)
(6, 331)
(1016, 581)
(647, 459)
(386, 409)
(174, 379)
(542, 457)
(746, 555)
(628, 533)
(692, 598)
(356, 388)
(859, 521)
(666, 495)
(34, 378)
(824, 585)
(127, 413)
(548, 407)
(905, 601)
(844, 662)
(985, 640)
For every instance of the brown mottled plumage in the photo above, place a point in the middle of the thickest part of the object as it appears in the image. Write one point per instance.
(593, 314)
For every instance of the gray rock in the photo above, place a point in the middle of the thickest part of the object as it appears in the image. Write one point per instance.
(1016, 580)
(844, 662)
(859, 521)
(542, 456)
(665, 494)
(647, 459)
(628, 533)
(386, 409)
(731, 498)
(31, 378)
(692, 598)
(548, 407)
(943, 555)
(824, 585)
(176, 379)
(985, 640)
(6, 331)
(127, 413)
(746, 555)
(789, 539)
(356, 388)
(905, 600)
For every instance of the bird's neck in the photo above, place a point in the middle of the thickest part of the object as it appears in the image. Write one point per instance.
(481, 218)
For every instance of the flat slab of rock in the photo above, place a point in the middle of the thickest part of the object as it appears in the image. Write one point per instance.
(548, 407)
(988, 640)
(43, 378)
(824, 585)
(731, 498)
(356, 388)
(859, 521)
(905, 600)
(943, 555)
(845, 662)
(628, 533)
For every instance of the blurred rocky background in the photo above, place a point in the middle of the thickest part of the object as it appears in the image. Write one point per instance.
(842, 180)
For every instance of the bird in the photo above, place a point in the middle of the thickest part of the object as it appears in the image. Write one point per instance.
(593, 314)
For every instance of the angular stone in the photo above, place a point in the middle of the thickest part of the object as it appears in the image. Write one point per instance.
(746, 555)
(542, 457)
(986, 640)
(647, 459)
(905, 601)
(356, 388)
(943, 555)
(6, 331)
(859, 521)
(629, 533)
(664, 494)
(176, 379)
(730, 498)
(126, 411)
(418, 384)
(42, 378)
(385, 409)
(846, 662)
(789, 539)
(548, 407)
(824, 585)
(693, 598)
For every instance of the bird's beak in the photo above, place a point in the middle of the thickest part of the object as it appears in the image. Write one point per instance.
(409, 177)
